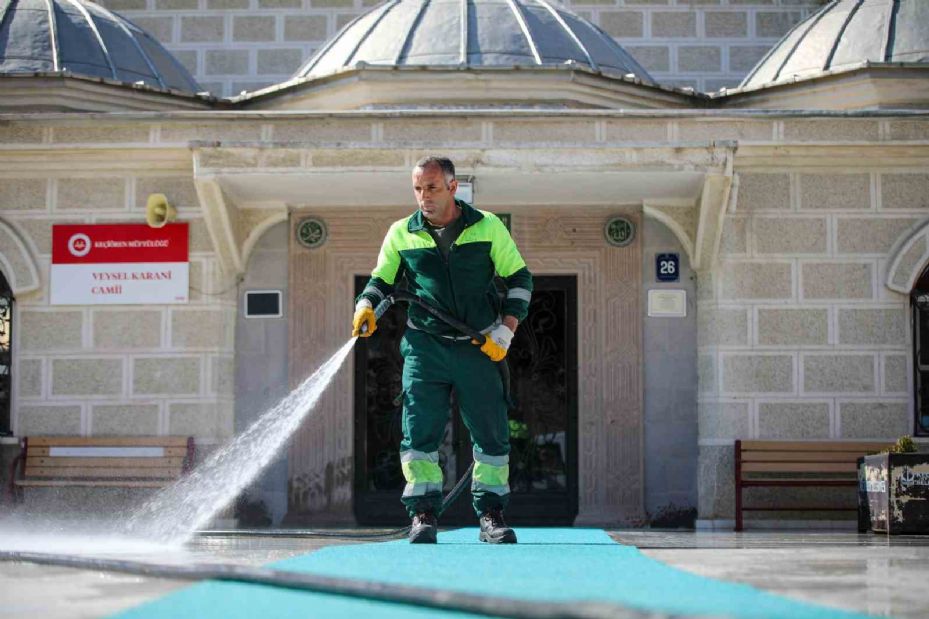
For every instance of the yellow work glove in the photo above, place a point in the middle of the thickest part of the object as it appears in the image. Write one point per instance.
(364, 323)
(497, 343)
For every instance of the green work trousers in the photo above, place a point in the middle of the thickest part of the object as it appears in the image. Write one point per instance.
(432, 367)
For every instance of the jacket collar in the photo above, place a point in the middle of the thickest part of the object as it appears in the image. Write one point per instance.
(469, 215)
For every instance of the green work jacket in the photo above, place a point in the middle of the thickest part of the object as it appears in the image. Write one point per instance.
(461, 285)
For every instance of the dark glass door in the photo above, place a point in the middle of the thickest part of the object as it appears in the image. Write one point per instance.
(543, 426)
(6, 355)
(919, 303)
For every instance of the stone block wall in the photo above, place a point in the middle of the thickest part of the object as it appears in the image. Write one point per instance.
(110, 370)
(799, 336)
(235, 45)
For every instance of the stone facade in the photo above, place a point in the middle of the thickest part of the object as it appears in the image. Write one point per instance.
(113, 370)
(235, 45)
(799, 334)
(828, 355)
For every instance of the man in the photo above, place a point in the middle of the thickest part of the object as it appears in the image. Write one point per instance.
(449, 252)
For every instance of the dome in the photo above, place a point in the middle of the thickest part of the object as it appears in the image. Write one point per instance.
(82, 38)
(471, 34)
(845, 34)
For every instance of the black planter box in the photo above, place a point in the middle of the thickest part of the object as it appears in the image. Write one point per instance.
(893, 493)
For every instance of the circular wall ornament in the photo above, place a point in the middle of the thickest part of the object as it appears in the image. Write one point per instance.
(619, 231)
(311, 232)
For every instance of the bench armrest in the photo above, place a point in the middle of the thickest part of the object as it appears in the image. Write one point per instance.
(19, 460)
(191, 459)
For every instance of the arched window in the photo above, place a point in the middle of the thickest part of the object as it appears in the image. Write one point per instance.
(6, 354)
(919, 302)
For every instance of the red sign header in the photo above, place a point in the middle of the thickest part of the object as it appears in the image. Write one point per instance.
(115, 243)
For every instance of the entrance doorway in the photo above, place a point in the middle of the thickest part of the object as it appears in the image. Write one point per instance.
(6, 356)
(543, 426)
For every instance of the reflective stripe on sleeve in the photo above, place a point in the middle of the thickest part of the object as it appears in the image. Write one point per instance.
(519, 293)
(374, 291)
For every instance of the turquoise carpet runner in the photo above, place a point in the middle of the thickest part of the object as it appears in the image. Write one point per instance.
(556, 565)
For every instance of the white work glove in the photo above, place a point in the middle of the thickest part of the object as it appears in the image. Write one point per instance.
(497, 343)
(364, 321)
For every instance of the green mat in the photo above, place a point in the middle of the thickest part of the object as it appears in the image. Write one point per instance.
(547, 565)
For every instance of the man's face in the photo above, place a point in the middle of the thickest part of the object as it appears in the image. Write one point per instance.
(435, 198)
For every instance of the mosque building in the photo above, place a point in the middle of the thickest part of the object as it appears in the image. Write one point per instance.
(748, 263)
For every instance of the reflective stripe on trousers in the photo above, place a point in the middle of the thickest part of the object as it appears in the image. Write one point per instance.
(491, 473)
(421, 471)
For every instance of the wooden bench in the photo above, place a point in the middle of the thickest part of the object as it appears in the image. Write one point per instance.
(100, 461)
(797, 464)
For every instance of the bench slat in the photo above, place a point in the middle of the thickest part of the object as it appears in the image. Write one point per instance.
(800, 456)
(90, 451)
(798, 482)
(173, 452)
(825, 463)
(800, 509)
(122, 473)
(49, 462)
(108, 441)
(105, 462)
(47, 483)
(799, 467)
(862, 446)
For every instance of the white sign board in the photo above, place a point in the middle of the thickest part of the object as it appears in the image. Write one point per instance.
(108, 264)
(667, 303)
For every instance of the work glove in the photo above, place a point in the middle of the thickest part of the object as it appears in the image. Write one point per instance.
(364, 321)
(497, 343)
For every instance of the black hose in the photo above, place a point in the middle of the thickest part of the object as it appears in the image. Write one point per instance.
(461, 327)
(441, 599)
(450, 498)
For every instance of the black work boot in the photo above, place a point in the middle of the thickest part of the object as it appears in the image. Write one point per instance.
(494, 529)
(424, 528)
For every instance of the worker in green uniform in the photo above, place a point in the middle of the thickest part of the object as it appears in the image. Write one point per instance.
(449, 253)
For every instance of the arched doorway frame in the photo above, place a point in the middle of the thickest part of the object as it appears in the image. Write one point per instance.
(19, 275)
(908, 273)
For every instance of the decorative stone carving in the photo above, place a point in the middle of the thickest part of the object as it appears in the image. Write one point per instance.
(17, 262)
(908, 259)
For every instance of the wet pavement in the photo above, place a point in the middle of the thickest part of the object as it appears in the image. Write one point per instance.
(871, 573)
(875, 574)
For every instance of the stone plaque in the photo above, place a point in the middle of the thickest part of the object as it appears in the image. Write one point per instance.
(667, 303)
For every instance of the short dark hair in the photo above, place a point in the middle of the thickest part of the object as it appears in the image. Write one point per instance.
(444, 163)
